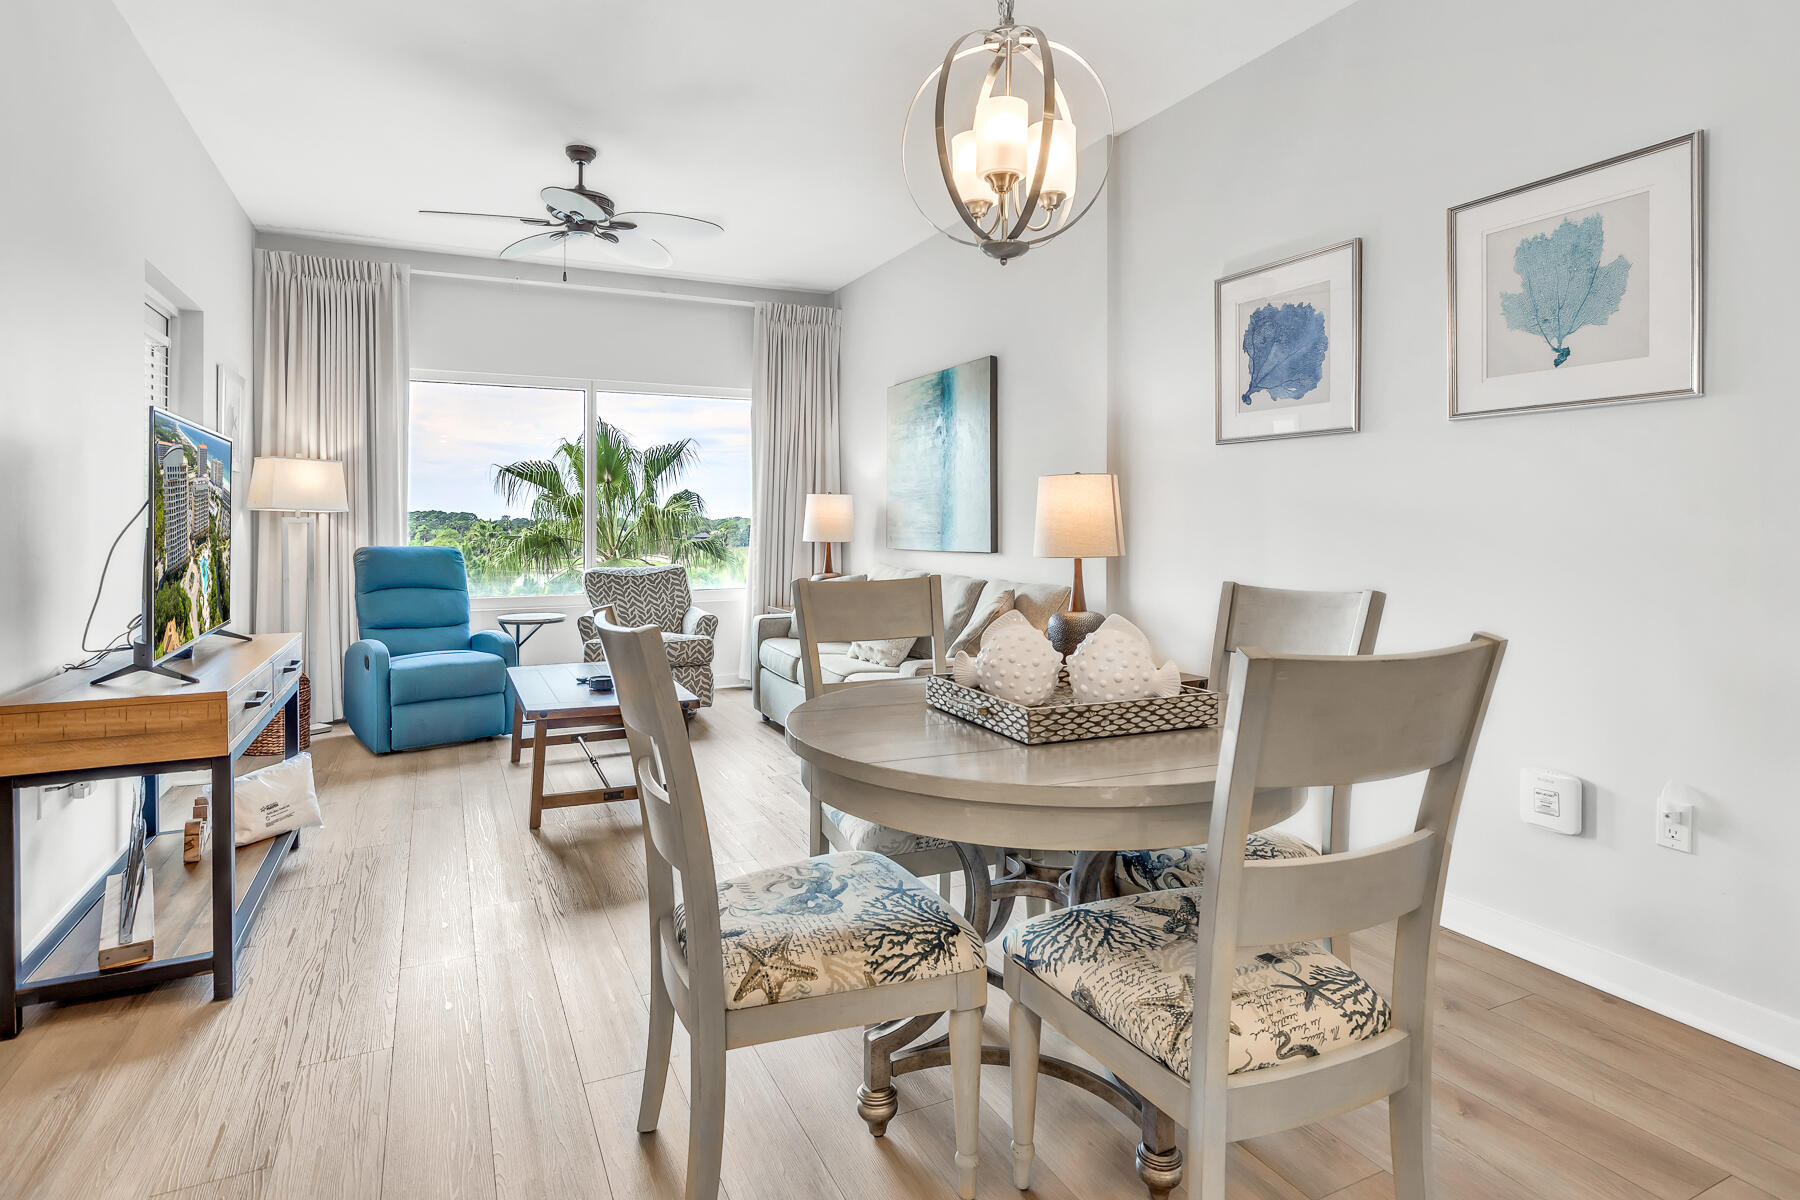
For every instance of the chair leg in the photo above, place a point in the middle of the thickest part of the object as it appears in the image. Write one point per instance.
(1159, 1160)
(656, 1057)
(1409, 1137)
(706, 1114)
(965, 1071)
(1024, 1028)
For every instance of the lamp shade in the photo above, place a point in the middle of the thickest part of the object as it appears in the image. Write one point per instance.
(298, 485)
(829, 518)
(1078, 517)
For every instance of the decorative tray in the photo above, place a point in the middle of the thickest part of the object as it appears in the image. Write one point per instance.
(1062, 720)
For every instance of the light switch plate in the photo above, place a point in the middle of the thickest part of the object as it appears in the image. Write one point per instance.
(1551, 799)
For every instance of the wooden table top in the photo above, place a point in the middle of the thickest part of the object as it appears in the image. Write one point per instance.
(556, 690)
(880, 751)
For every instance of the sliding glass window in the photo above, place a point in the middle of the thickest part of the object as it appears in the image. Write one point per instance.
(534, 480)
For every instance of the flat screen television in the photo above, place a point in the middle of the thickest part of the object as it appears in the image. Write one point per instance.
(187, 556)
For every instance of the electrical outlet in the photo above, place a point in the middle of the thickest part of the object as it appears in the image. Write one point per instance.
(1675, 817)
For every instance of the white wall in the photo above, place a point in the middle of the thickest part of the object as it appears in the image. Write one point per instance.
(939, 304)
(1642, 559)
(103, 180)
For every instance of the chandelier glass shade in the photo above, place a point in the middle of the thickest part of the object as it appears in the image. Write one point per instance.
(1006, 145)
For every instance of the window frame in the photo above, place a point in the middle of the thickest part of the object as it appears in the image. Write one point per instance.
(155, 302)
(592, 389)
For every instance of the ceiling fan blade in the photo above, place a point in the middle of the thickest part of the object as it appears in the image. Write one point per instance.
(636, 249)
(562, 200)
(672, 225)
(446, 212)
(535, 244)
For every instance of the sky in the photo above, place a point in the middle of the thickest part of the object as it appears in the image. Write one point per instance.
(460, 430)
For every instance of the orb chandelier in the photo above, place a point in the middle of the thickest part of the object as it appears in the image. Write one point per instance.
(1012, 167)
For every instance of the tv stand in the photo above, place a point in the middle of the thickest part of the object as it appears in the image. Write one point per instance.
(62, 731)
(142, 661)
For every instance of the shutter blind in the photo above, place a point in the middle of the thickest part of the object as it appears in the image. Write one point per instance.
(156, 356)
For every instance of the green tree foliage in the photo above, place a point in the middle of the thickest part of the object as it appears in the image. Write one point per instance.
(641, 515)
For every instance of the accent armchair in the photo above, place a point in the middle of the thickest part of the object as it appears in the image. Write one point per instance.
(418, 676)
(656, 596)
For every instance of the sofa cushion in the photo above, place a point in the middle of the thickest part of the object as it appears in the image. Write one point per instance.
(444, 675)
(782, 656)
(835, 923)
(1038, 601)
(994, 603)
(840, 666)
(1129, 963)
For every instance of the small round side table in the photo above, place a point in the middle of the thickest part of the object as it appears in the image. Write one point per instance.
(535, 620)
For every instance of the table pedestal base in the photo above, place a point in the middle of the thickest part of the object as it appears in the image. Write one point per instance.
(890, 1049)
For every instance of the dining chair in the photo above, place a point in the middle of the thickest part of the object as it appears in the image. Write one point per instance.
(869, 610)
(1282, 621)
(1213, 1000)
(833, 942)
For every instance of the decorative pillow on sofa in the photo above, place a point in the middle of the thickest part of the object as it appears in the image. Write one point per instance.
(885, 652)
(993, 604)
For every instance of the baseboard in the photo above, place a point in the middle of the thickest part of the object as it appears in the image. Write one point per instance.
(1762, 1030)
(729, 681)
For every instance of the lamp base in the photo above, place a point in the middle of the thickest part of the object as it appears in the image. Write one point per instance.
(1068, 629)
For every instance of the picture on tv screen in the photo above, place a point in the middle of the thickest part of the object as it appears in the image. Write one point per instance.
(190, 532)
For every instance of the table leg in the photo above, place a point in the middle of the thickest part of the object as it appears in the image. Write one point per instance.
(540, 729)
(518, 732)
(224, 897)
(11, 930)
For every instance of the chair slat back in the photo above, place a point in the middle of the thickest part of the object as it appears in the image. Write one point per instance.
(829, 610)
(1292, 622)
(1295, 721)
(675, 831)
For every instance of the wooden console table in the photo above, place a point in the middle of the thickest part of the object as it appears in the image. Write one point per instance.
(64, 731)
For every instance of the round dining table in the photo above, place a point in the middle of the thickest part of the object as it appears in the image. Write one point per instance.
(880, 752)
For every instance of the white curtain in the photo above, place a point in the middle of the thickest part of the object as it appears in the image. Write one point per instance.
(793, 446)
(331, 383)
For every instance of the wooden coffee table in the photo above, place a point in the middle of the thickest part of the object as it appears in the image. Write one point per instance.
(551, 698)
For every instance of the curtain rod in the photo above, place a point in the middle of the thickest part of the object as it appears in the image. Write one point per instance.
(648, 293)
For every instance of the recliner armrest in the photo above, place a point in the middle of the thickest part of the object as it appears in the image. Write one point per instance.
(366, 696)
(497, 643)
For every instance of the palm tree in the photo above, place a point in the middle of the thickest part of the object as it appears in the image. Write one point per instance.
(637, 516)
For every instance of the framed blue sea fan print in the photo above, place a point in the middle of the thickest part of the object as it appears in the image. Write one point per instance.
(1584, 288)
(1287, 341)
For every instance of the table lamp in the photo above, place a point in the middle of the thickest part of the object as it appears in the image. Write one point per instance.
(1077, 517)
(829, 518)
(298, 486)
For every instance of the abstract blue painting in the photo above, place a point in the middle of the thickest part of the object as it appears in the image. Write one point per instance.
(941, 468)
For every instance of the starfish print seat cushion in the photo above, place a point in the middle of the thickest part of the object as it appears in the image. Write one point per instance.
(1185, 866)
(834, 923)
(1129, 964)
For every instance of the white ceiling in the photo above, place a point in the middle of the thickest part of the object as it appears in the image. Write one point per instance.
(341, 118)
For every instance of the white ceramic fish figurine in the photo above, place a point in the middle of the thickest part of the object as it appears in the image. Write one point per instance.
(1115, 662)
(1017, 662)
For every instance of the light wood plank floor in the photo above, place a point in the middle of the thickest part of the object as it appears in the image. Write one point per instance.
(439, 1003)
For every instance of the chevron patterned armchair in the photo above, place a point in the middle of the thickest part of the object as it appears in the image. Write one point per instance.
(655, 596)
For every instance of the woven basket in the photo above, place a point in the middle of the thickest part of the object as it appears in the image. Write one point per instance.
(1062, 720)
(272, 740)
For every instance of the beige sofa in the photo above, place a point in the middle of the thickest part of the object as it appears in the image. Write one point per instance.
(776, 686)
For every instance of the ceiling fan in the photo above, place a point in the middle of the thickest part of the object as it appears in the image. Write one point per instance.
(580, 212)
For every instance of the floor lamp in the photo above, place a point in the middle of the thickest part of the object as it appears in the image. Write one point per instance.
(300, 487)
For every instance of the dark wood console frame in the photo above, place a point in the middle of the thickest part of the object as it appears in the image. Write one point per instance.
(65, 731)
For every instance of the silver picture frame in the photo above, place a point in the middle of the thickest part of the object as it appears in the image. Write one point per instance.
(1221, 363)
(1695, 385)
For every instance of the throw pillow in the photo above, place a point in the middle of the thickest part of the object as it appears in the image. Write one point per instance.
(994, 603)
(274, 800)
(885, 652)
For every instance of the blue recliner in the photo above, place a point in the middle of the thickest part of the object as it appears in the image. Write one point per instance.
(418, 677)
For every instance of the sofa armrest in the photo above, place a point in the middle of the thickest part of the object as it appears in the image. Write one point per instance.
(698, 620)
(773, 625)
(366, 697)
(500, 645)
